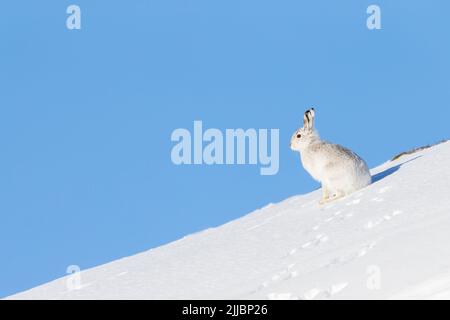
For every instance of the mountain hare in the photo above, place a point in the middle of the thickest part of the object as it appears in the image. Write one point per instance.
(338, 169)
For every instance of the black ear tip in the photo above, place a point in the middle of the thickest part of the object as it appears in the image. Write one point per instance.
(310, 110)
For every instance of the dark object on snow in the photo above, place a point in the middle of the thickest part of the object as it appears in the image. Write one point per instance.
(416, 150)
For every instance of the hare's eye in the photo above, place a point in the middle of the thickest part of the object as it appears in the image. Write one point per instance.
(299, 136)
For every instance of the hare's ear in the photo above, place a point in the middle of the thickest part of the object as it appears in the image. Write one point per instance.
(308, 119)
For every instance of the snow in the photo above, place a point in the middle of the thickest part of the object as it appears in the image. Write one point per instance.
(387, 241)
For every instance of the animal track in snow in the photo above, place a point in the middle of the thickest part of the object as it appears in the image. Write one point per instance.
(376, 199)
(373, 223)
(317, 240)
(282, 296)
(332, 217)
(353, 202)
(335, 289)
(320, 238)
(329, 219)
(311, 294)
(325, 293)
(306, 245)
(284, 274)
(361, 252)
(364, 250)
(338, 215)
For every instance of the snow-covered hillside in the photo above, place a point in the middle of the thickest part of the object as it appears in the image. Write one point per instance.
(390, 240)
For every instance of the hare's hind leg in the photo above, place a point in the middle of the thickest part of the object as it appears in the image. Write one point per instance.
(337, 195)
(325, 195)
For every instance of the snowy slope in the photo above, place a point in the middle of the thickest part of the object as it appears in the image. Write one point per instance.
(390, 240)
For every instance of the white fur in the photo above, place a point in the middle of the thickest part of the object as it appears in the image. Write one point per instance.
(338, 169)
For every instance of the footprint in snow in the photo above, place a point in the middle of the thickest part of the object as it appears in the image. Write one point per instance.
(282, 296)
(285, 274)
(353, 202)
(373, 223)
(320, 238)
(334, 216)
(366, 249)
(306, 245)
(361, 252)
(325, 293)
(311, 294)
(317, 240)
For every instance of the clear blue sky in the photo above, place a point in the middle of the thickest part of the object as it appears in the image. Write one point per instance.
(86, 115)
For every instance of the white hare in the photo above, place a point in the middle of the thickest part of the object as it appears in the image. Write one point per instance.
(338, 169)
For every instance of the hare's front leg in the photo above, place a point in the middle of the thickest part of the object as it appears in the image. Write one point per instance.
(325, 195)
